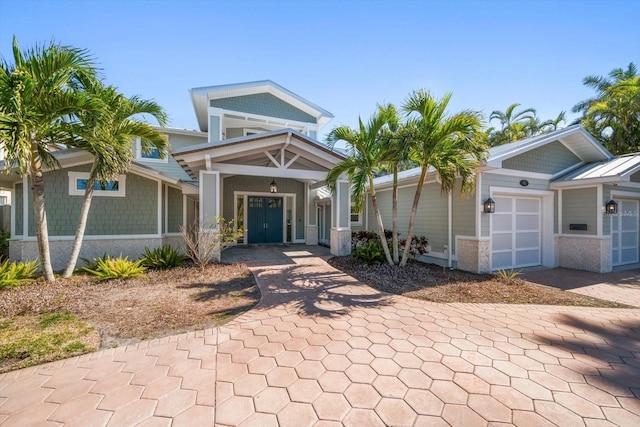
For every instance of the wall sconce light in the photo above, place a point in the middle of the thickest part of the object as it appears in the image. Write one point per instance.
(489, 206)
(273, 187)
(611, 208)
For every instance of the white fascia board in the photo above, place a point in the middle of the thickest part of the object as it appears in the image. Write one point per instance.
(152, 174)
(587, 182)
(178, 131)
(267, 172)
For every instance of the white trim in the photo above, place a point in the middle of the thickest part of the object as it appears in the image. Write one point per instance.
(560, 213)
(75, 176)
(478, 211)
(184, 213)
(599, 209)
(519, 173)
(25, 205)
(96, 237)
(449, 228)
(140, 158)
(625, 194)
(166, 208)
(12, 226)
(264, 120)
(518, 191)
(233, 169)
(174, 234)
(201, 195)
(159, 208)
(583, 236)
(250, 131)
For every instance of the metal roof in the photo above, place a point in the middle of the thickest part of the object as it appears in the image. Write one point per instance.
(617, 167)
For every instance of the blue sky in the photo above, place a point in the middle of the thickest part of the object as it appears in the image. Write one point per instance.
(345, 56)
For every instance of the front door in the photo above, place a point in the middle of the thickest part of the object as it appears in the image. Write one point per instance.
(265, 219)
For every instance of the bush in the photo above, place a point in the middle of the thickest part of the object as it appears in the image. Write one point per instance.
(509, 277)
(14, 273)
(370, 252)
(92, 264)
(205, 243)
(162, 258)
(419, 246)
(4, 244)
(107, 268)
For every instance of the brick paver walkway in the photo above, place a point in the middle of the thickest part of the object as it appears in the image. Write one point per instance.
(322, 349)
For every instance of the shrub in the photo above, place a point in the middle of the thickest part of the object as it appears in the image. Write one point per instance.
(419, 246)
(510, 277)
(205, 243)
(4, 244)
(370, 252)
(162, 258)
(14, 273)
(92, 264)
(115, 268)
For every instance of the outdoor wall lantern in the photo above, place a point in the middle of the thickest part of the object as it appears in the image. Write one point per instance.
(489, 206)
(611, 207)
(273, 187)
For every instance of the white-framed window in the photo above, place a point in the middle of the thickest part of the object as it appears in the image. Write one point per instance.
(151, 156)
(356, 215)
(78, 184)
(3, 200)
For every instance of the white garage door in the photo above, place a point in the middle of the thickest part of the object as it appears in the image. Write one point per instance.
(624, 233)
(515, 232)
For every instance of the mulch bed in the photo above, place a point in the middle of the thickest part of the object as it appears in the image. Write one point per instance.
(434, 283)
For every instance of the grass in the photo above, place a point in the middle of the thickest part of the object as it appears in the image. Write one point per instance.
(31, 340)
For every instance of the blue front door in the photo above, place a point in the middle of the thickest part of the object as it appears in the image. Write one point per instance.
(265, 219)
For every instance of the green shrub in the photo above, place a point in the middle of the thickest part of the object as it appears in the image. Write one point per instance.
(115, 268)
(162, 258)
(14, 273)
(510, 277)
(92, 264)
(4, 244)
(419, 246)
(370, 252)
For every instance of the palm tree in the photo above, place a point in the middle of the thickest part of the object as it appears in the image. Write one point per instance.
(108, 135)
(552, 124)
(613, 114)
(513, 125)
(364, 162)
(38, 92)
(397, 140)
(451, 144)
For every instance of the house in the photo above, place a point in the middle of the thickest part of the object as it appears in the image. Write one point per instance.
(560, 199)
(254, 159)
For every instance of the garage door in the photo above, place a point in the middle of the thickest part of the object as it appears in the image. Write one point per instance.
(624, 233)
(515, 232)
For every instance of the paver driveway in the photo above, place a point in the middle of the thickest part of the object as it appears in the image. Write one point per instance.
(322, 349)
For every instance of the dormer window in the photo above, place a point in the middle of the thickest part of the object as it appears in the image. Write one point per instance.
(149, 156)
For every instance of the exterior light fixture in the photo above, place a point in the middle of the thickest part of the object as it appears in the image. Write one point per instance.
(611, 208)
(273, 187)
(489, 206)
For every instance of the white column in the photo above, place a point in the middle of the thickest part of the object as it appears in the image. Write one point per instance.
(341, 219)
(311, 216)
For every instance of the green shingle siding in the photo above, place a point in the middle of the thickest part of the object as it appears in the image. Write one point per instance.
(134, 214)
(579, 206)
(171, 167)
(175, 210)
(263, 104)
(19, 211)
(549, 159)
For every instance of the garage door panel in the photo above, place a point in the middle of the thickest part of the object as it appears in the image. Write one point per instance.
(530, 239)
(503, 205)
(624, 233)
(528, 205)
(502, 242)
(528, 258)
(502, 223)
(502, 260)
(527, 222)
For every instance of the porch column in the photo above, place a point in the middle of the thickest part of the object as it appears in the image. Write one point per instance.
(209, 205)
(311, 226)
(341, 219)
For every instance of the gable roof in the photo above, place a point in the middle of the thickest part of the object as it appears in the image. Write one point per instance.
(200, 97)
(575, 138)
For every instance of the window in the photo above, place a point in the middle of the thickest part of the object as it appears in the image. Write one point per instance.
(149, 156)
(3, 200)
(78, 184)
(356, 215)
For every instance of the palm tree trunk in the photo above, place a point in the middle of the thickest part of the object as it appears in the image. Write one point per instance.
(394, 216)
(412, 218)
(82, 225)
(40, 218)
(376, 210)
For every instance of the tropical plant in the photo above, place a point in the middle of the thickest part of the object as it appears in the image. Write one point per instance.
(205, 243)
(15, 273)
(509, 277)
(163, 258)
(613, 114)
(451, 144)
(366, 157)
(108, 133)
(39, 91)
(419, 245)
(115, 268)
(513, 125)
(370, 252)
